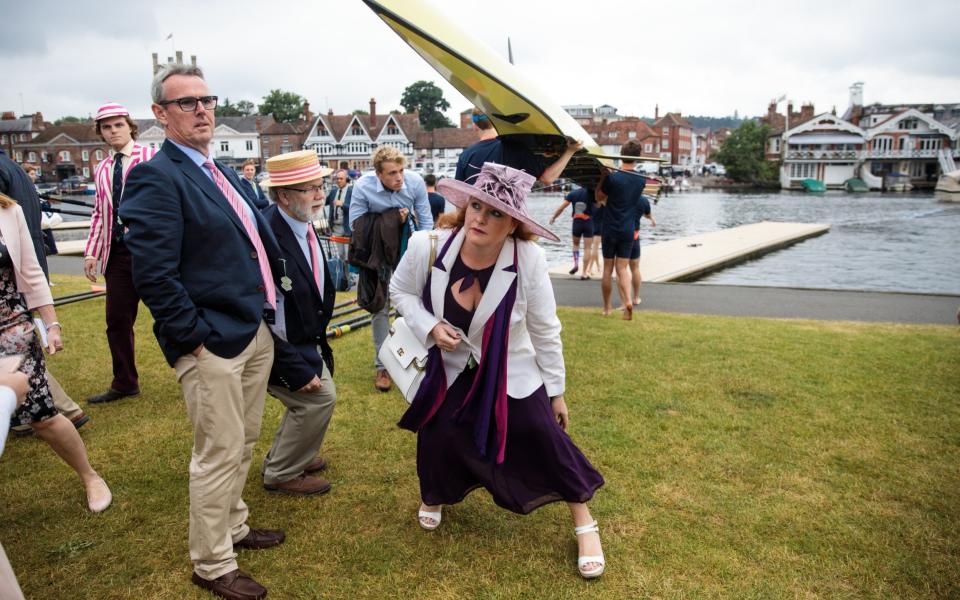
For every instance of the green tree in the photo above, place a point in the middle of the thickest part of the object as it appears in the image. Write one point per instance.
(226, 109)
(742, 154)
(67, 120)
(427, 98)
(286, 107)
(360, 112)
(246, 108)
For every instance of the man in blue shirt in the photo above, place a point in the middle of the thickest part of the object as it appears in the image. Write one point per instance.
(389, 186)
(622, 192)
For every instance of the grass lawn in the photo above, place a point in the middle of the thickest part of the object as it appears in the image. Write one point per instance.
(744, 458)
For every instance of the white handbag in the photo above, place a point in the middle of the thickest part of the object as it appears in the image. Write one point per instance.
(405, 358)
(402, 354)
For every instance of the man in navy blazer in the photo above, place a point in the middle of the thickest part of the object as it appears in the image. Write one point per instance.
(250, 186)
(203, 263)
(338, 204)
(302, 376)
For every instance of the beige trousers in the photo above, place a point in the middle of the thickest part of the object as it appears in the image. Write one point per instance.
(301, 430)
(61, 400)
(224, 398)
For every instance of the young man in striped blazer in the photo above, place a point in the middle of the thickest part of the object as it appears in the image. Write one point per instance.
(105, 246)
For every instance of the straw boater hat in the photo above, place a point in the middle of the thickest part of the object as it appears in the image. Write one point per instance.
(293, 168)
(501, 187)
(111, 109)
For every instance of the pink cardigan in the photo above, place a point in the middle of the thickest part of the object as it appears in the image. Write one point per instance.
(30, 279)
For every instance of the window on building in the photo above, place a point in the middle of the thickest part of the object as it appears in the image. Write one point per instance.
(908, 124)
(85, 155)
(23, 137)
(284, 148)
(19, 156)
(32, 157)
(392, 129)
(321, 130)
(611, 134)
(3, 138)
(666, 131)
(631, 134)
(44, 157)
(666, 144)
(99, 153)
(356, 130)
(249, 145)
(648, 148)
(224, 146)
(86, 171)
(65, 155)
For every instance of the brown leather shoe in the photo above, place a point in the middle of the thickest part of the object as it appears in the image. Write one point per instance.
(258, 539)
(383, 381)
(302, 485)
(318, 464)
(235, 585)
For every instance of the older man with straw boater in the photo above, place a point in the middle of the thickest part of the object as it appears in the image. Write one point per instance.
(302, 375)
(105, 246)
(203, 262)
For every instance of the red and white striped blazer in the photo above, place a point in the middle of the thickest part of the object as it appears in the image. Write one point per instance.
(101, 218)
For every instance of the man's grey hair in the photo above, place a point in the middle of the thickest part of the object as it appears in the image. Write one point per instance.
(167, 71)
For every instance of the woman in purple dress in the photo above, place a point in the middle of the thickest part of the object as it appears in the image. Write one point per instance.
(490, 411)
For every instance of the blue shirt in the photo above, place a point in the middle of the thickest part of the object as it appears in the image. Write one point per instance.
(581, 202)
(198, 158)
(369, 195)
(501, 151)
(624, 202)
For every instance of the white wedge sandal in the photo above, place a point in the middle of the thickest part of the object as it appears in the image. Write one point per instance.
(423, 514)
(586, 560)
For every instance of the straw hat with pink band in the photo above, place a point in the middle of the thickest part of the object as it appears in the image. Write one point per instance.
(111, 109)
(498, 186)
(292, 168)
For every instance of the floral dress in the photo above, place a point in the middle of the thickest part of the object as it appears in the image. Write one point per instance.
(18, 336)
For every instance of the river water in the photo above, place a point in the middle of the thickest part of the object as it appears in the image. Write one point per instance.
(888, 242)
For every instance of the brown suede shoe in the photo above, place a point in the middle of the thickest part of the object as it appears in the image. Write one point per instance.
(318, 464)
(258, 539)
(383, 381)
(235, 585)
(303, 485)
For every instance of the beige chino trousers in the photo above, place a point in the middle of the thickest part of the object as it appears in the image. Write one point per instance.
(224, 398)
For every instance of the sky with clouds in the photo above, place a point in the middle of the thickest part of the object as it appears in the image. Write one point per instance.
(699, 57)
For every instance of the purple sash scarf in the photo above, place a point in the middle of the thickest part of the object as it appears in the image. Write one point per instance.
(487, 398)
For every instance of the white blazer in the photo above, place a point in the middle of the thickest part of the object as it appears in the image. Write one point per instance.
(535, 352)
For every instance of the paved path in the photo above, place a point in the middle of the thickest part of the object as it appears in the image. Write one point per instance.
(785, 303)
(733, 300)
(690, 257)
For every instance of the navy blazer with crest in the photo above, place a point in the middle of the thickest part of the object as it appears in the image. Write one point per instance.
(305, 313)
(194, 265)
(254, 193)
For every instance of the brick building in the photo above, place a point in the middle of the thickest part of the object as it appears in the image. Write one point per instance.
(676, 139)
(437, 151)
(14, 130)
(61, 151)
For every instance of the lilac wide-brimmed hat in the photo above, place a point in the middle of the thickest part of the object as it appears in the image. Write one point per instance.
(500, 187)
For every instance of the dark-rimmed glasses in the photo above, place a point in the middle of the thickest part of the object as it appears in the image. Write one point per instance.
(189, 104)
(313, 189)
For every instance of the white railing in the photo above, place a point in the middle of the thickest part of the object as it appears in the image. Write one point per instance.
(822, 155)
(915, 153)
(224, 154)
(847, 155)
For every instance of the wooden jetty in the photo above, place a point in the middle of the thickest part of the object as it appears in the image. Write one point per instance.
(687, 258)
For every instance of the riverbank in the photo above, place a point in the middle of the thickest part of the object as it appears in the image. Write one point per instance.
(743, 458)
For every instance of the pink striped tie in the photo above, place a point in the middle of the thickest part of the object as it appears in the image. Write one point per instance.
(237, 203)
(314, 255)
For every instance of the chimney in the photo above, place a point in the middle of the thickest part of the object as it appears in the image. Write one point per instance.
(179, 57)
(656, 112)
(856, 94)
(307, 115)
(789, 108)
(193, 60)
(373, 113)
(259, 124)
(330, 112)
(8, 115)
(156, 63)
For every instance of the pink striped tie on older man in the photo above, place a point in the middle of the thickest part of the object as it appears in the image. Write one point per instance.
(237, 203)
